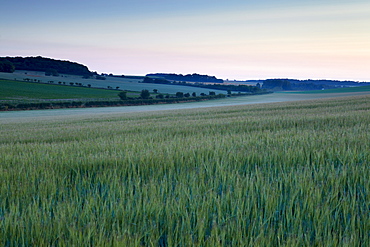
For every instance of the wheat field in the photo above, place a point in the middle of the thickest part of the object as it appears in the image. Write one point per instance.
(279, 174)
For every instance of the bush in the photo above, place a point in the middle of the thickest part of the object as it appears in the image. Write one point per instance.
(123, 95)
(145, 94)
(179, 95)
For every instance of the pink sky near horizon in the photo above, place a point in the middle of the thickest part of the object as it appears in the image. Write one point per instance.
(303, 41)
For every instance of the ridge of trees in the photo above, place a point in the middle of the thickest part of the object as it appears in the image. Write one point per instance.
(189, 77)
(293, 84)
(48, 65)
(6, 66)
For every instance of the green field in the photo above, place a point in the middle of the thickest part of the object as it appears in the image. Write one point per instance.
(129, 84)
(281, 174)
(17, 90)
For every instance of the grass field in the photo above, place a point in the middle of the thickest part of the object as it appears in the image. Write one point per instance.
(129, 84)
(17, 90)
(282, 174)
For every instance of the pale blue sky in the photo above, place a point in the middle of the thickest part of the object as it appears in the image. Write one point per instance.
(229, 39)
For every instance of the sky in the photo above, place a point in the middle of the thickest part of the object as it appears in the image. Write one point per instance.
(233, 39)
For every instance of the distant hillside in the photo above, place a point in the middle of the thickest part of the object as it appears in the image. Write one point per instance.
(48, 65)
(190, 77)
(293, 84)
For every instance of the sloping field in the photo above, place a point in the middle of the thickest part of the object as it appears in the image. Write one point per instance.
(122, 83)
(281, 174)
(35, 91)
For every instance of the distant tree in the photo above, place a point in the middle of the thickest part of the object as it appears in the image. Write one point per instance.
(6, 66)
(187, 95)
(202, 94)
(194, 94)
(212, 93)
(123, 95)
(117, 88)
(155, 90)
(228, 92)
(145, 94)
(89, 85)
(179, 95)
(277, 84)
(160, 96)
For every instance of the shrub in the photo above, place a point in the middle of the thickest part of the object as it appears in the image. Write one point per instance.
(145, 94)
(123, 95)
(179, 95)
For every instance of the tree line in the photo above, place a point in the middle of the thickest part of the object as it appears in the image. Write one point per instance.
(7, 66)
(48, 65)
(189, 77)
(293, 84)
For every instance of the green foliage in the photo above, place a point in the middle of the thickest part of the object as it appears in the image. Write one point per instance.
(277, 84)
(179, 95)
(43, 64)
(145, 94)
(6, 66)
(190, 77)
(123, 95)
(289, 174)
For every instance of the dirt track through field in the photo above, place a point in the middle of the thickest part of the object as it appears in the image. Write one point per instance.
(15, 116)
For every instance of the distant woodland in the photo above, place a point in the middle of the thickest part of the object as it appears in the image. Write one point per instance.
(190, 77)
(292, 84)
(47, 65)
